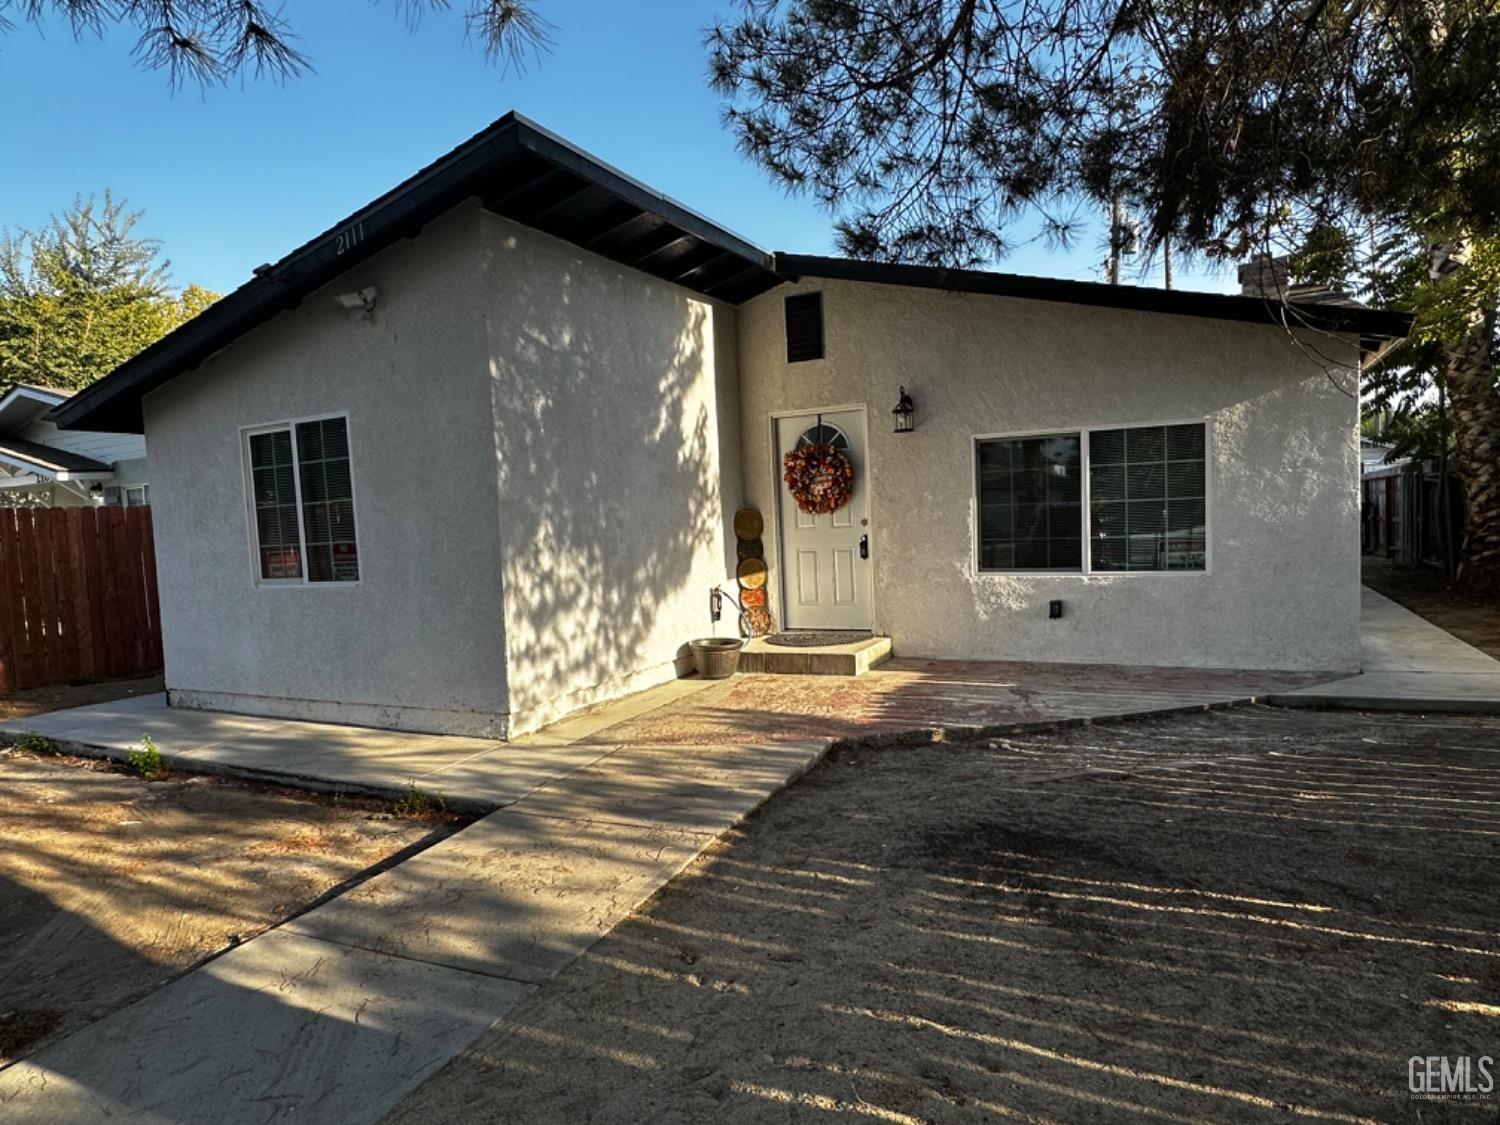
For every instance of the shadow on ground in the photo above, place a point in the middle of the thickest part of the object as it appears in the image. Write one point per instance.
(1249, 915)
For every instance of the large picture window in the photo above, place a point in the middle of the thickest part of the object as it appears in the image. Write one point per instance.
(302, 500)
(1030, 503)
(1144, 489)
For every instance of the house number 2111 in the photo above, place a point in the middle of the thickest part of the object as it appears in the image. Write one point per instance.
(349, 238)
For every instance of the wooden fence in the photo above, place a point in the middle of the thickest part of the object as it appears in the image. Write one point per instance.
(77, 595)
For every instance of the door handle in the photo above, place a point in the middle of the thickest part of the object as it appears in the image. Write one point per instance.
(864, 546)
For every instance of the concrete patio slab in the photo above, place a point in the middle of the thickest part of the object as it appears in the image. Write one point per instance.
(1409, 664)
(586, 723)
(285, 1028)
(705, 789)
(323, 754)
(512, 896)
(905, 696)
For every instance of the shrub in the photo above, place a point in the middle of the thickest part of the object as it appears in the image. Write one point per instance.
(34, 743)
(147, 760)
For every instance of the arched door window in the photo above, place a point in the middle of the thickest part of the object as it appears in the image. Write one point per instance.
(824, 432)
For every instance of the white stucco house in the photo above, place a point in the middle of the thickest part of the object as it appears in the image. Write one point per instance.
(43, 466)
(469, 459)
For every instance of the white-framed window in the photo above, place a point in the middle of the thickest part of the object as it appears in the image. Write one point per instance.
(300, 489)
(127, 496)
(1093, 500)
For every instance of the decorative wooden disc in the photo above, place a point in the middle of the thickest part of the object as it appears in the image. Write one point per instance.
(751, 573)
(758, 621)
(753, 599)
(748, 524)
(752, 548)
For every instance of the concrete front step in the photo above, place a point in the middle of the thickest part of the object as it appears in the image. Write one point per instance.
(854, 659)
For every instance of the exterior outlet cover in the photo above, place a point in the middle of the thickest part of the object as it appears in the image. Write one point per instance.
(1054, 609)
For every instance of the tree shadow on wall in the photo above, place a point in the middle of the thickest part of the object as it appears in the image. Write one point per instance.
(609, 434)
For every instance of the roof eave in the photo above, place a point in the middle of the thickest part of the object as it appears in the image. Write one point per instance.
(1370, 324)
(114, 403)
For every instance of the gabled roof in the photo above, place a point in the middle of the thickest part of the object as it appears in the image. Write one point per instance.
(1374, 326)
(520, 170)
(51, 461)
(517, 169)
(21, 404)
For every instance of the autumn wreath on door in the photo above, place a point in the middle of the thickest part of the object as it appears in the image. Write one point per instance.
(820, 477)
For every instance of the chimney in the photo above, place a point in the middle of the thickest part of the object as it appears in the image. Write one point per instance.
(1264, 276)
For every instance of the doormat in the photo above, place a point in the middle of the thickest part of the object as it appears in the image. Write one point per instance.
(816, 640)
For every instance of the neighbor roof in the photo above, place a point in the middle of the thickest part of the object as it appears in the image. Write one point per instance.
(520, 170)
(21, 404)
(45, 457)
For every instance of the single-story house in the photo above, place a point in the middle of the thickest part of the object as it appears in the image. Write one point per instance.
(43, 466)
(469, 459)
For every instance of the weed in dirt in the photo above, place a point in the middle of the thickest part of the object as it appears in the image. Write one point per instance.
(147, 760)
(418, 803)
(33, 743)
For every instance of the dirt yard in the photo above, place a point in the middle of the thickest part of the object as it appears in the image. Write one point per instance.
(56, 697)
(1251, 915)
(1425, 593)
(110, 886)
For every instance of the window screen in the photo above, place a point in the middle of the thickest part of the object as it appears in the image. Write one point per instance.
(1030, 503)
(804, 327)
(1147, 498)
(309, 477)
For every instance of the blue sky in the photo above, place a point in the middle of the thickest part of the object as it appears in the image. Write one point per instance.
(240, 175)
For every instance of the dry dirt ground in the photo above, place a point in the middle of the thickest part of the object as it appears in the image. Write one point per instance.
(1427, 594)
(110, 886)
(57, 697)
(1248, 915)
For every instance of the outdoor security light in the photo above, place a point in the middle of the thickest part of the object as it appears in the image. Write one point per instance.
(905, 414)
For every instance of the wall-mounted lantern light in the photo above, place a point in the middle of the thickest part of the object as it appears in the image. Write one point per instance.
(905, 414)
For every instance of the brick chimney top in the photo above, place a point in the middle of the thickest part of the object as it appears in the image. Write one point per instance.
(1264, 276)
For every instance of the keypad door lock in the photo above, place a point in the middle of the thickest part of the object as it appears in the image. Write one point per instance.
(864, 546)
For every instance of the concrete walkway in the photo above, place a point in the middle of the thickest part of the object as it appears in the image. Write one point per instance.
(339, 1013)
(1408, 664)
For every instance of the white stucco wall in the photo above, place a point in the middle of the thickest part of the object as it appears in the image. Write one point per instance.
(418, 643)
(615, 432)
(1283, 589)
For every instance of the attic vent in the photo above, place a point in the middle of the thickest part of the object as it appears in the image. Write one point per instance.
(804, 327)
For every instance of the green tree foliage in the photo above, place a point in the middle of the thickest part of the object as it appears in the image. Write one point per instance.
(210, 41)
(1231, 127)
(83, 294)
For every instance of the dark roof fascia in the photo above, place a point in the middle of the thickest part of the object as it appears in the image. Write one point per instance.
(114, 402)
(1370, 324)
(400, 213)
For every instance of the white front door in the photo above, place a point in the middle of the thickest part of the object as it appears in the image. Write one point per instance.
(825, 564)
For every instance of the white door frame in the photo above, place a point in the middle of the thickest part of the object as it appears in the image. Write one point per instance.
(777, 484)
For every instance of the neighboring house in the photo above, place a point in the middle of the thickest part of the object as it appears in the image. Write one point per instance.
(1373, 453)
(469, 460)
(43, 466)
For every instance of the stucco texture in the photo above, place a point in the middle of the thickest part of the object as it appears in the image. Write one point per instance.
(613, 402)
(419, 642)
(1282, 590)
